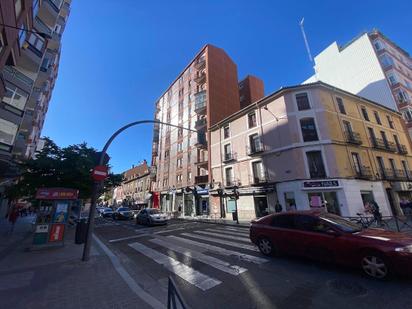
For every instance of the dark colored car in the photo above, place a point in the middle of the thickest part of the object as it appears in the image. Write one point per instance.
(106, 212)
(151, 216)
(122, 213)
(330, 238)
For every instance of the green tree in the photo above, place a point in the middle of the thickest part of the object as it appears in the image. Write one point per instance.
(68, 167)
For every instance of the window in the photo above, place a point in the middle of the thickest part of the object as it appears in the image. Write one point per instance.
(36, 41)
(392, 79)
(22, 35)
(315, 163)
(390, 122)
(179, 162)
(258, 172)
(381, 165)
(255, 143)
(252, 120)
(378, 45)
(179, 132)
(229, 176)
(308, 130)
(396, 139)
(226, 131)
(189, 176)
(386, 61)
(341, 106)
(310, 224)
(165, 182)
(17, 8)
(227, 150)
(393, 165)
(8, 131)
(189, 157)
(372, 134)
(377, 117)
(179, 178)
(179, 147)
(405, 167)
(384, 138)
(167, 153)
(365, 113)
(402, 96)
(15, 97)
(284, 221)
(348, 128)
(356, 162)
(1, 41)
(302, 101)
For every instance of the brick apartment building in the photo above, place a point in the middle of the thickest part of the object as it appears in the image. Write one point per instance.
(205, 92)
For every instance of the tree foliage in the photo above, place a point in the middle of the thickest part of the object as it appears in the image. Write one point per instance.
(68, 167)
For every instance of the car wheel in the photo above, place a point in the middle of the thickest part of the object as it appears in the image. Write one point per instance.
(265, 246)
(374, 265)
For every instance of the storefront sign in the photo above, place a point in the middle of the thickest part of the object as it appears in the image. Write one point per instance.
(42, 228)
(56, 194)
(202, 191)
(321, 184)
(56, 232)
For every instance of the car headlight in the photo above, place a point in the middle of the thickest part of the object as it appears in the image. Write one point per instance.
(407, 249)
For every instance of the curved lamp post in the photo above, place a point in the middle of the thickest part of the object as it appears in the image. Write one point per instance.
(98, 184)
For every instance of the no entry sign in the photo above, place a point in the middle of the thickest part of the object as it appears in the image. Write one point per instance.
(99, 172)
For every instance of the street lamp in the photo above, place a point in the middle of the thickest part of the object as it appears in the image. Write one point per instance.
(98, 184)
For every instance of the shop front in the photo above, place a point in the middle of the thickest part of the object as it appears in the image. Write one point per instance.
(323, 194)
(202, 201)
(402, 194)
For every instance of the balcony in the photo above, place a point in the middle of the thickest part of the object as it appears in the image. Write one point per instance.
(200, 64)
(364, 172)
(204, 179)
(402, 149)
(202, 162)
(230, 182)
(17, 78)
(65, 9)
(200, 102)
(201, 78)
(49, 12)
(200, 124)
(381, 144)
(154, 149)
(40, 26)
(228, 157)
(201, 140)
(256, 147)
(353, 138)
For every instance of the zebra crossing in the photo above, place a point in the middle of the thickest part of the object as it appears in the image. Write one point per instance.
(219, 248)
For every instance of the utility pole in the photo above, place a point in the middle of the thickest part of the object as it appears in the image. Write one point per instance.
(97, 185)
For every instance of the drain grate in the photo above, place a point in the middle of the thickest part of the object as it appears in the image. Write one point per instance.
(347, 288)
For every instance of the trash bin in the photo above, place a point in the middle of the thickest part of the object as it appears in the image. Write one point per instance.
(81, 232)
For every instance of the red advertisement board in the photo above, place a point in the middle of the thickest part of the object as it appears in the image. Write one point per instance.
(56, 232)
(56, 194)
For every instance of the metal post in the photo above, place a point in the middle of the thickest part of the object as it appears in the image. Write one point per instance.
(99, 184)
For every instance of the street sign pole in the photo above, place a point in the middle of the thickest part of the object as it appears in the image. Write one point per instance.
(97, 185)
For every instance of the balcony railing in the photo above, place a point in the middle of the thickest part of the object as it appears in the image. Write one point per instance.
(255, 148)
(230, 182)
(402, 149)
(53, 5)
(259, 179)
(200, 79)
(201, 179)
(394, 174)
(42, 27)
(353, 138)
(200, 123)
(364, 172)
(379, 143)
(230, 156)
(201, 161)
(201, 141)
(315, 174)
(200, 64)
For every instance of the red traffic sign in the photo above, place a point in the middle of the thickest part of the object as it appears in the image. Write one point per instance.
(99, 172)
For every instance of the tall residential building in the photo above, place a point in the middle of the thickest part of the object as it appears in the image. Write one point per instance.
(310, 146)
(29, 65)
(371, 66)
(203, 94)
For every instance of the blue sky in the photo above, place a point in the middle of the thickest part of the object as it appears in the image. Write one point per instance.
(119, 56)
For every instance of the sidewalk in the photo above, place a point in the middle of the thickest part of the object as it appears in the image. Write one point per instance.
(57, 278)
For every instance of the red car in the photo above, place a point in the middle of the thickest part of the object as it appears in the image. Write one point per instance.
(330, 238)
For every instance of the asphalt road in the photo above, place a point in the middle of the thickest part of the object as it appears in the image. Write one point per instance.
(216, 266)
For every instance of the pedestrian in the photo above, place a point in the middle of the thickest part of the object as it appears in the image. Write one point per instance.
(13, 215)
(374, 207)
(278, 207)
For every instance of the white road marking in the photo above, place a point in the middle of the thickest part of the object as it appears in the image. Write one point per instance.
(222, 251)
(171, 230)
(196, 255)
(185, 272)
(228, 232)
(142, 294)
(222, 242)
(239, 230)
(127, 238)
(238, 238)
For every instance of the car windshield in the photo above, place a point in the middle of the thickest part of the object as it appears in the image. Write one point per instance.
(124, 209)
(107, 210)
(154, 211)
(341, 223)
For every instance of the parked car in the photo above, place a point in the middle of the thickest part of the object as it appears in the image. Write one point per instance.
(106, 213)
(151, 216)
(330, 238)
(122, 213)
